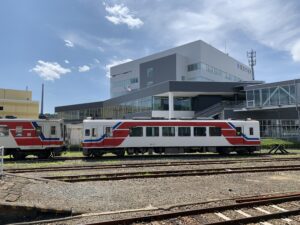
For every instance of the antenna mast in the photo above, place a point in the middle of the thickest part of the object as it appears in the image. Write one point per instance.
(252, 61)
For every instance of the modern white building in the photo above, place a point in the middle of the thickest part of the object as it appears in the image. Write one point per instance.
(195, 61)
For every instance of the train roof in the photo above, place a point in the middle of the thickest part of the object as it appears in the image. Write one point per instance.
(31, 120)
(160, 120)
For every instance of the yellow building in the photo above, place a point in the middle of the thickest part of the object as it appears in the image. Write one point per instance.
(18, 103)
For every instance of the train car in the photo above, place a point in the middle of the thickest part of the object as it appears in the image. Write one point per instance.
(22, 137)
(169, 136)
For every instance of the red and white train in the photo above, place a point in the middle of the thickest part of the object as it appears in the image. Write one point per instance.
(169, 136)
(22, 137)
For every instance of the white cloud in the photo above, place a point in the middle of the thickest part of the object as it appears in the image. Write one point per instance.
(114, 63)
(97, 61)
(49, 70)
(67, 61)
(272, 23)
(120, 14)
(69, 43)
(83, 68)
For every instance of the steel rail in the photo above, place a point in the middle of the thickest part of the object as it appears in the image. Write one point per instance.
(135, 165)
(170, 173)
(194, 212)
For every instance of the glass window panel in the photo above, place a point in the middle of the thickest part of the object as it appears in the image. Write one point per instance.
(200, 131)
(4, 131)
(274, 100)
(284, 96)
(184, 131)
(136, 132)
(152, 131)
(214, 131)
(257, 97)
(53, 130)
(265, 94)
(168, 131)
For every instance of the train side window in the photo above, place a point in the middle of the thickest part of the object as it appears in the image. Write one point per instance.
(214, 131)
(200, 131)
(94, 132)
(136, 132)
(19, 131)
(168, 131)
(184, 131)
(108, 131)
(251, 131)
(4, 131)
(53, 130)
(238, 131)
(87, 132)
(152, 131)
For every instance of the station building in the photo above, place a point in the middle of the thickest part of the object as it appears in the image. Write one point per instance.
(191, 81)
(18, 103)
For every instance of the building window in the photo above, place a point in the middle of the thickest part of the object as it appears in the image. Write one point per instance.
(19, 131)
(53, 130)
(168, 131)
(152, 131)
(193, 67)
(149, 73)
(134, 80)
(214, 131)
(4, 131)
(200, 131)
(184, 131)
(136, 132)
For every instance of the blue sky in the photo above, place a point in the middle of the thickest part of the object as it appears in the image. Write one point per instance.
(70, 44)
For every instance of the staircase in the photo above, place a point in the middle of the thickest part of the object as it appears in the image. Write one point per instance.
(211, 111)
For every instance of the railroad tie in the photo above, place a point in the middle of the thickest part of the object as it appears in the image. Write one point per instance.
(221, 215)
(276, 207)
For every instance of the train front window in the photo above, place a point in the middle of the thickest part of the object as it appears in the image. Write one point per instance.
(184, 131)
(136, 132)
(94, 132)
(238, 131)
(4, 131)
(251, 131)
(200, 131)
(215, 131)
(53, 130)
(168, 131)
(152, 131)
(38, 130)
(87, 132)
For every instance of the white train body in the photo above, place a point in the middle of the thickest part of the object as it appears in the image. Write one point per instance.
(108, 135)
(21, 137)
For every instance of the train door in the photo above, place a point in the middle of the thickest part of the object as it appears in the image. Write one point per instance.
(39, 132)
(239, 133)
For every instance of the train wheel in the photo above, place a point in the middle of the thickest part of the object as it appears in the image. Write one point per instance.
(18, 155)
(44, 155)
(120, 153)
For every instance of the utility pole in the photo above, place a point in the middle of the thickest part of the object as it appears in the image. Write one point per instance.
(252, 61)
(42, 101)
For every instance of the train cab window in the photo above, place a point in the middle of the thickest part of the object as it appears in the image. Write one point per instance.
(184, 131)
(238, 131)
(19, 131)
(94, 132)
(136, 132)
(168, 131)
(215, 131)
(53, 130)
(108, 131)
(152, 131)
(200, 131)
(4, 131)
(87, 132)
(251, 131)
(38, 130)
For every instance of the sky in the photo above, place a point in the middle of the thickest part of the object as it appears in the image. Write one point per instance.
(69, 45)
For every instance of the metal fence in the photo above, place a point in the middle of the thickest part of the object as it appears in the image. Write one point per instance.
(1, 161)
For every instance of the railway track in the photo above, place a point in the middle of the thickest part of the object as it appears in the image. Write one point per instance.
(170, 173)
(284, 210)
(146, 164)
